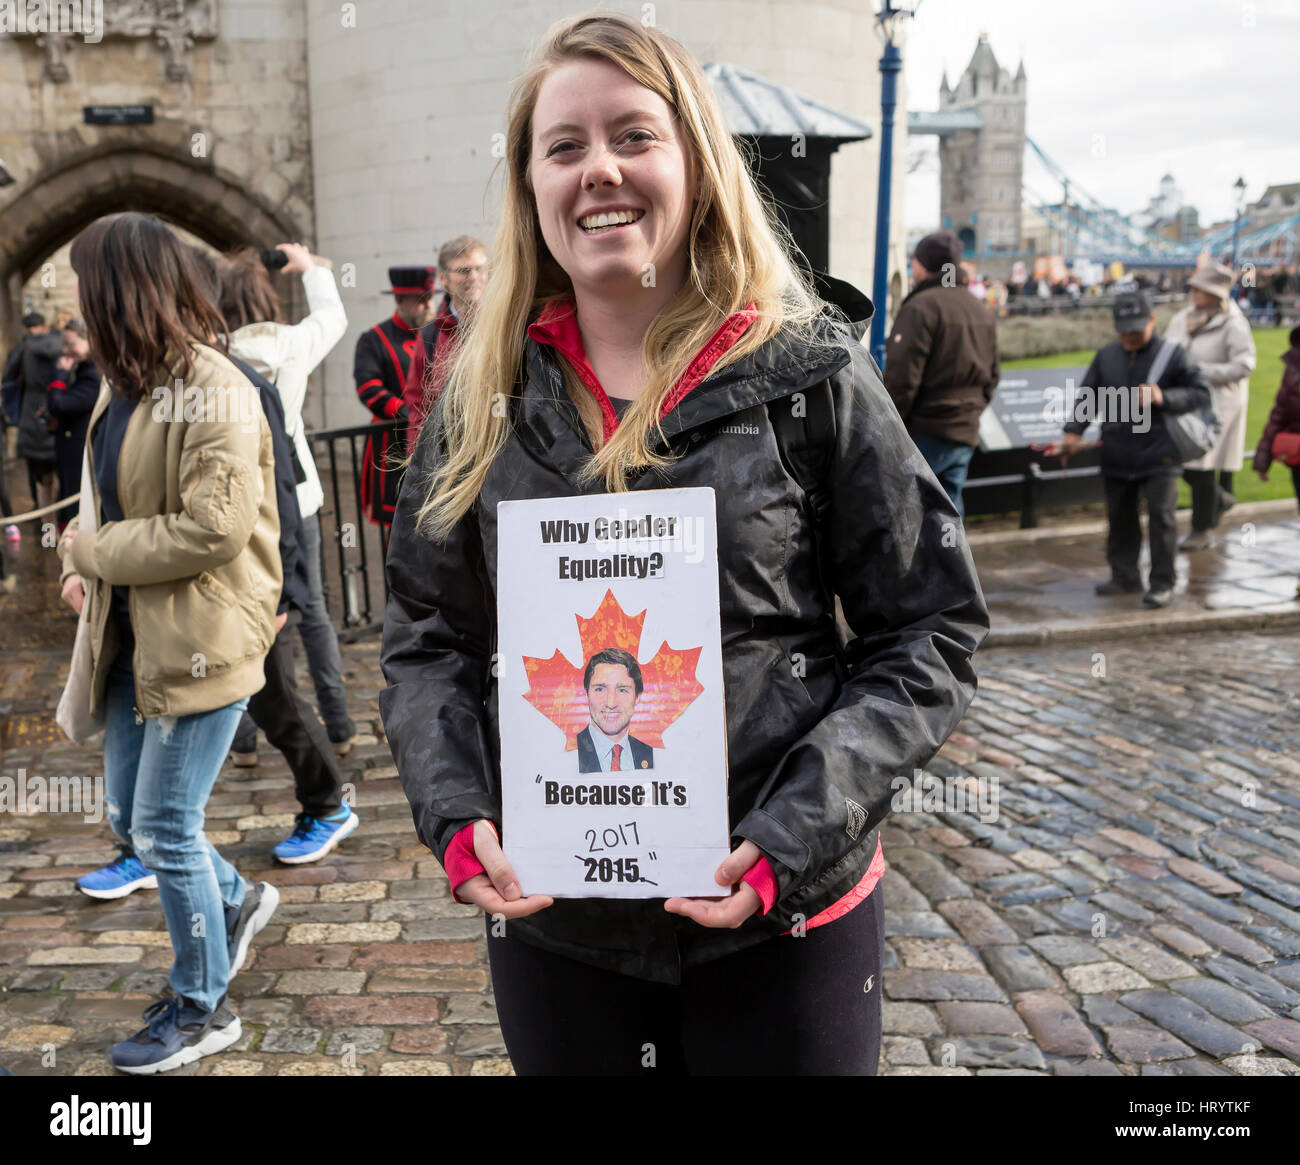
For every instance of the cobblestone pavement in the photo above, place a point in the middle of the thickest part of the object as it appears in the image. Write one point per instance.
(1132, 906)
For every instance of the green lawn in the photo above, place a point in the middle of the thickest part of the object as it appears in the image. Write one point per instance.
(1270, 343)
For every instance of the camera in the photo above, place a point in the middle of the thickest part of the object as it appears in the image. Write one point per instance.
(272, 260)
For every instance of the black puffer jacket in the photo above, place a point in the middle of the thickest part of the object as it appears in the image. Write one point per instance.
(799, 749)
(35, 441)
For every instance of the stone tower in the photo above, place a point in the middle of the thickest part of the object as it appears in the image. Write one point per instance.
(980, 170)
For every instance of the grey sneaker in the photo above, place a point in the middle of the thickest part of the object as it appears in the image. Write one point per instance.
(254, 913)
(1157, 598)
(1197, 540)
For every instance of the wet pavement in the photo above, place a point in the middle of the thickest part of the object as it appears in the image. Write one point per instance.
(1040, 587)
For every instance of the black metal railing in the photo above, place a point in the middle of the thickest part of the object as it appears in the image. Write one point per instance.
(1029, 487)
(355, 582)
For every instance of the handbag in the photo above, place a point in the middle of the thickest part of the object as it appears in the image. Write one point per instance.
(1193, 433)
(1286, 448)
(74, 715)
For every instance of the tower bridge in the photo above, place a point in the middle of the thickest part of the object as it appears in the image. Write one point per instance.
(984, 197)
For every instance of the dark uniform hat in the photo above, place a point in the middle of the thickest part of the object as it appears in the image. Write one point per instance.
(411, 281)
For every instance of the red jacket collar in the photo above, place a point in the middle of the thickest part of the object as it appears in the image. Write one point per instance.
(446, 320)
(558, 326)
(398, 322)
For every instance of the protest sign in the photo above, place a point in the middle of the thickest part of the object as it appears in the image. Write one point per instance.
(609, 666)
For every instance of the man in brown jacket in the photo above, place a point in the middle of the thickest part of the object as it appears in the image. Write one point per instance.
(941, 363)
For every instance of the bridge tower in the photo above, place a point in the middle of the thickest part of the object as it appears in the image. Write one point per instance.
(980, 170)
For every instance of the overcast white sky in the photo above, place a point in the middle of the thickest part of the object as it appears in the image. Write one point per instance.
(1203, 89)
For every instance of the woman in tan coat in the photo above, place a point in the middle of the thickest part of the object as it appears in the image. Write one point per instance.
(181, 577)
(1219, 337)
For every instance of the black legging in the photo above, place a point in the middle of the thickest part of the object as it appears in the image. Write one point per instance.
(788, 1006)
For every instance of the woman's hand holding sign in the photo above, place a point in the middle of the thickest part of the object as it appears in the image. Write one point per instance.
(726, 913)
(497, 891)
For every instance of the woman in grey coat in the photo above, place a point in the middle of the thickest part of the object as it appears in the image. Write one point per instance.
(1219, 337)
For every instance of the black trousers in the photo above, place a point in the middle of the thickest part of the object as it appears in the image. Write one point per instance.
(807, 1006)
(1207, 496)
(292, 726)
(1124, 536)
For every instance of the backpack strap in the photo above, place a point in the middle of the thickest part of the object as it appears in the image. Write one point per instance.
(804, 425)
(805, 440)
(1161, 362)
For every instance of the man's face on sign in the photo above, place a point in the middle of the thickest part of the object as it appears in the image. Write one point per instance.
(611, 699)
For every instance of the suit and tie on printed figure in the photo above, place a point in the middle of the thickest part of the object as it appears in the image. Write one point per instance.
(598, 754)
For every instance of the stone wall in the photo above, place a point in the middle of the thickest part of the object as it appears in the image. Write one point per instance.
(228, 155)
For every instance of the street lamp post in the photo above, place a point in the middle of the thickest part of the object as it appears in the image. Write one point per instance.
(1239, 189)
(891, 64)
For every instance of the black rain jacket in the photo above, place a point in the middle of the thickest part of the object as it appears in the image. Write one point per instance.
(808, 753)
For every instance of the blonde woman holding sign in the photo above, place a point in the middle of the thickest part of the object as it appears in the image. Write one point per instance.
(646, 329)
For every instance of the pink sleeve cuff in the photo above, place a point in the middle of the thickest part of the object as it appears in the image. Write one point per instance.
(460, 861)
(763, 879)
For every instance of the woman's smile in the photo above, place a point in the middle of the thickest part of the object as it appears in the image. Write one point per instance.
(609, 222)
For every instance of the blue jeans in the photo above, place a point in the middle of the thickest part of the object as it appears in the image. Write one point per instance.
(158, 776)
(319, 639)
(950, 460)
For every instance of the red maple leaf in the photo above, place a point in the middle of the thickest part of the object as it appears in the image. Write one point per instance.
(555, 685)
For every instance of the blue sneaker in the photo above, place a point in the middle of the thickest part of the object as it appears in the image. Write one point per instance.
(119, 879)
(175, 1033)
(314, 837)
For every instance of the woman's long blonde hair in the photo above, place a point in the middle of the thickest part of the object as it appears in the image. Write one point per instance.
(737, 253)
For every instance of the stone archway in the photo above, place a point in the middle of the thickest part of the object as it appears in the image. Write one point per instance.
(56, 206)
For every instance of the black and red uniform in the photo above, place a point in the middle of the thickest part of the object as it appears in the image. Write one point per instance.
(383, 358)
(381, 365)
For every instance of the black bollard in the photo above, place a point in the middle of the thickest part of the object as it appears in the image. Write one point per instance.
(1029, 502)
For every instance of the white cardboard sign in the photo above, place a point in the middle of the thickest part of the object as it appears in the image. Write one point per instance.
(613, 722)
